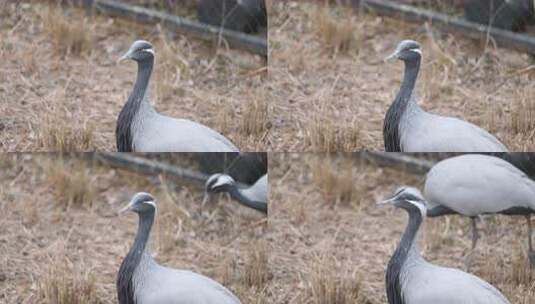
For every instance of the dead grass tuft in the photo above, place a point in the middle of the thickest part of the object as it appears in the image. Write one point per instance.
(58, 131)
(255, 119)
(329, 135)
(65, 284)
(523, 113)
(516, 275)
(492, 116)
(256, 268)
(335, 180)
(521, 273)
(225, 271)
(330, 283)
(441, 234)
(336, 31)
(173, 68)
(71, 184)
(29, 62)
(171, 220)
(69, 34)
(225, 117)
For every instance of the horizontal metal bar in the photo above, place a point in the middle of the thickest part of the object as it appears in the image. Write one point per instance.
(200, 30)
(447, 23)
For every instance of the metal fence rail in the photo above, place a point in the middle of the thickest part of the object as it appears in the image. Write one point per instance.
(200, 30)
(507, 39)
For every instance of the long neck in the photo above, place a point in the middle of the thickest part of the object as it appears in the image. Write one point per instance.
(123, 132)
(238, 194)
(400, 257)
(391, 132)
(125, 284)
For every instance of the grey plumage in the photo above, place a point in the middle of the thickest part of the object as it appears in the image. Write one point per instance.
(476, 184)
(408, 128)
(143, 281)
(410, 279)
(255, 196)
(141, 129)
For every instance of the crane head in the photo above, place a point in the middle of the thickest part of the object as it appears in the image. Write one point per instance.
(407, 198)
(139, 51)
(140, 203)
(219, 183)
(407, 50)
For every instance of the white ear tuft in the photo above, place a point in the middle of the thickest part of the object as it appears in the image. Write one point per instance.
(149, 51)
(421, 207)
(419, 51)
(151, 203)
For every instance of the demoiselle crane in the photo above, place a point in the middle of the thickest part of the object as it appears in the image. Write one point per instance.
(141, 280)
(141, 129)
(410, 279)
(408, 128)
(255, 196)
(476, 184)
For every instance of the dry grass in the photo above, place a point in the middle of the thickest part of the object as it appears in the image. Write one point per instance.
(255, 120)
(174, 66)
(64, 249)
(256, 267)
(324, 251)
(442, 233)
(332, 283)
(190, 79)
(319, 91)
(68, 36)
(171, 219)
(523, 114)
(335, 180)
(336, 29)
(324, 134)
(63, 283)
(57, 130)
(71, 183)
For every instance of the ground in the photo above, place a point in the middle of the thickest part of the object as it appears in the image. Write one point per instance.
(62, 241)
(61, 88)
(332, 243)
(331, 88)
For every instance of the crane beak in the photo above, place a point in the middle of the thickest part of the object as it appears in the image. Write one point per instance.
(391, 57)
(125, 56)
(125, 209)
(385, 202)
(205, 198)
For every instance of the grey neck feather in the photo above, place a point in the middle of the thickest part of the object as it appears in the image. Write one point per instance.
(237, 194)
(125, 278)
(123, 131)
(391, 127)
(406, 252)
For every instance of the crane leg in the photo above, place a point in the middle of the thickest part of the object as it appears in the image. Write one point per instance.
(475, 237)
(475, 234)
(531, 253)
